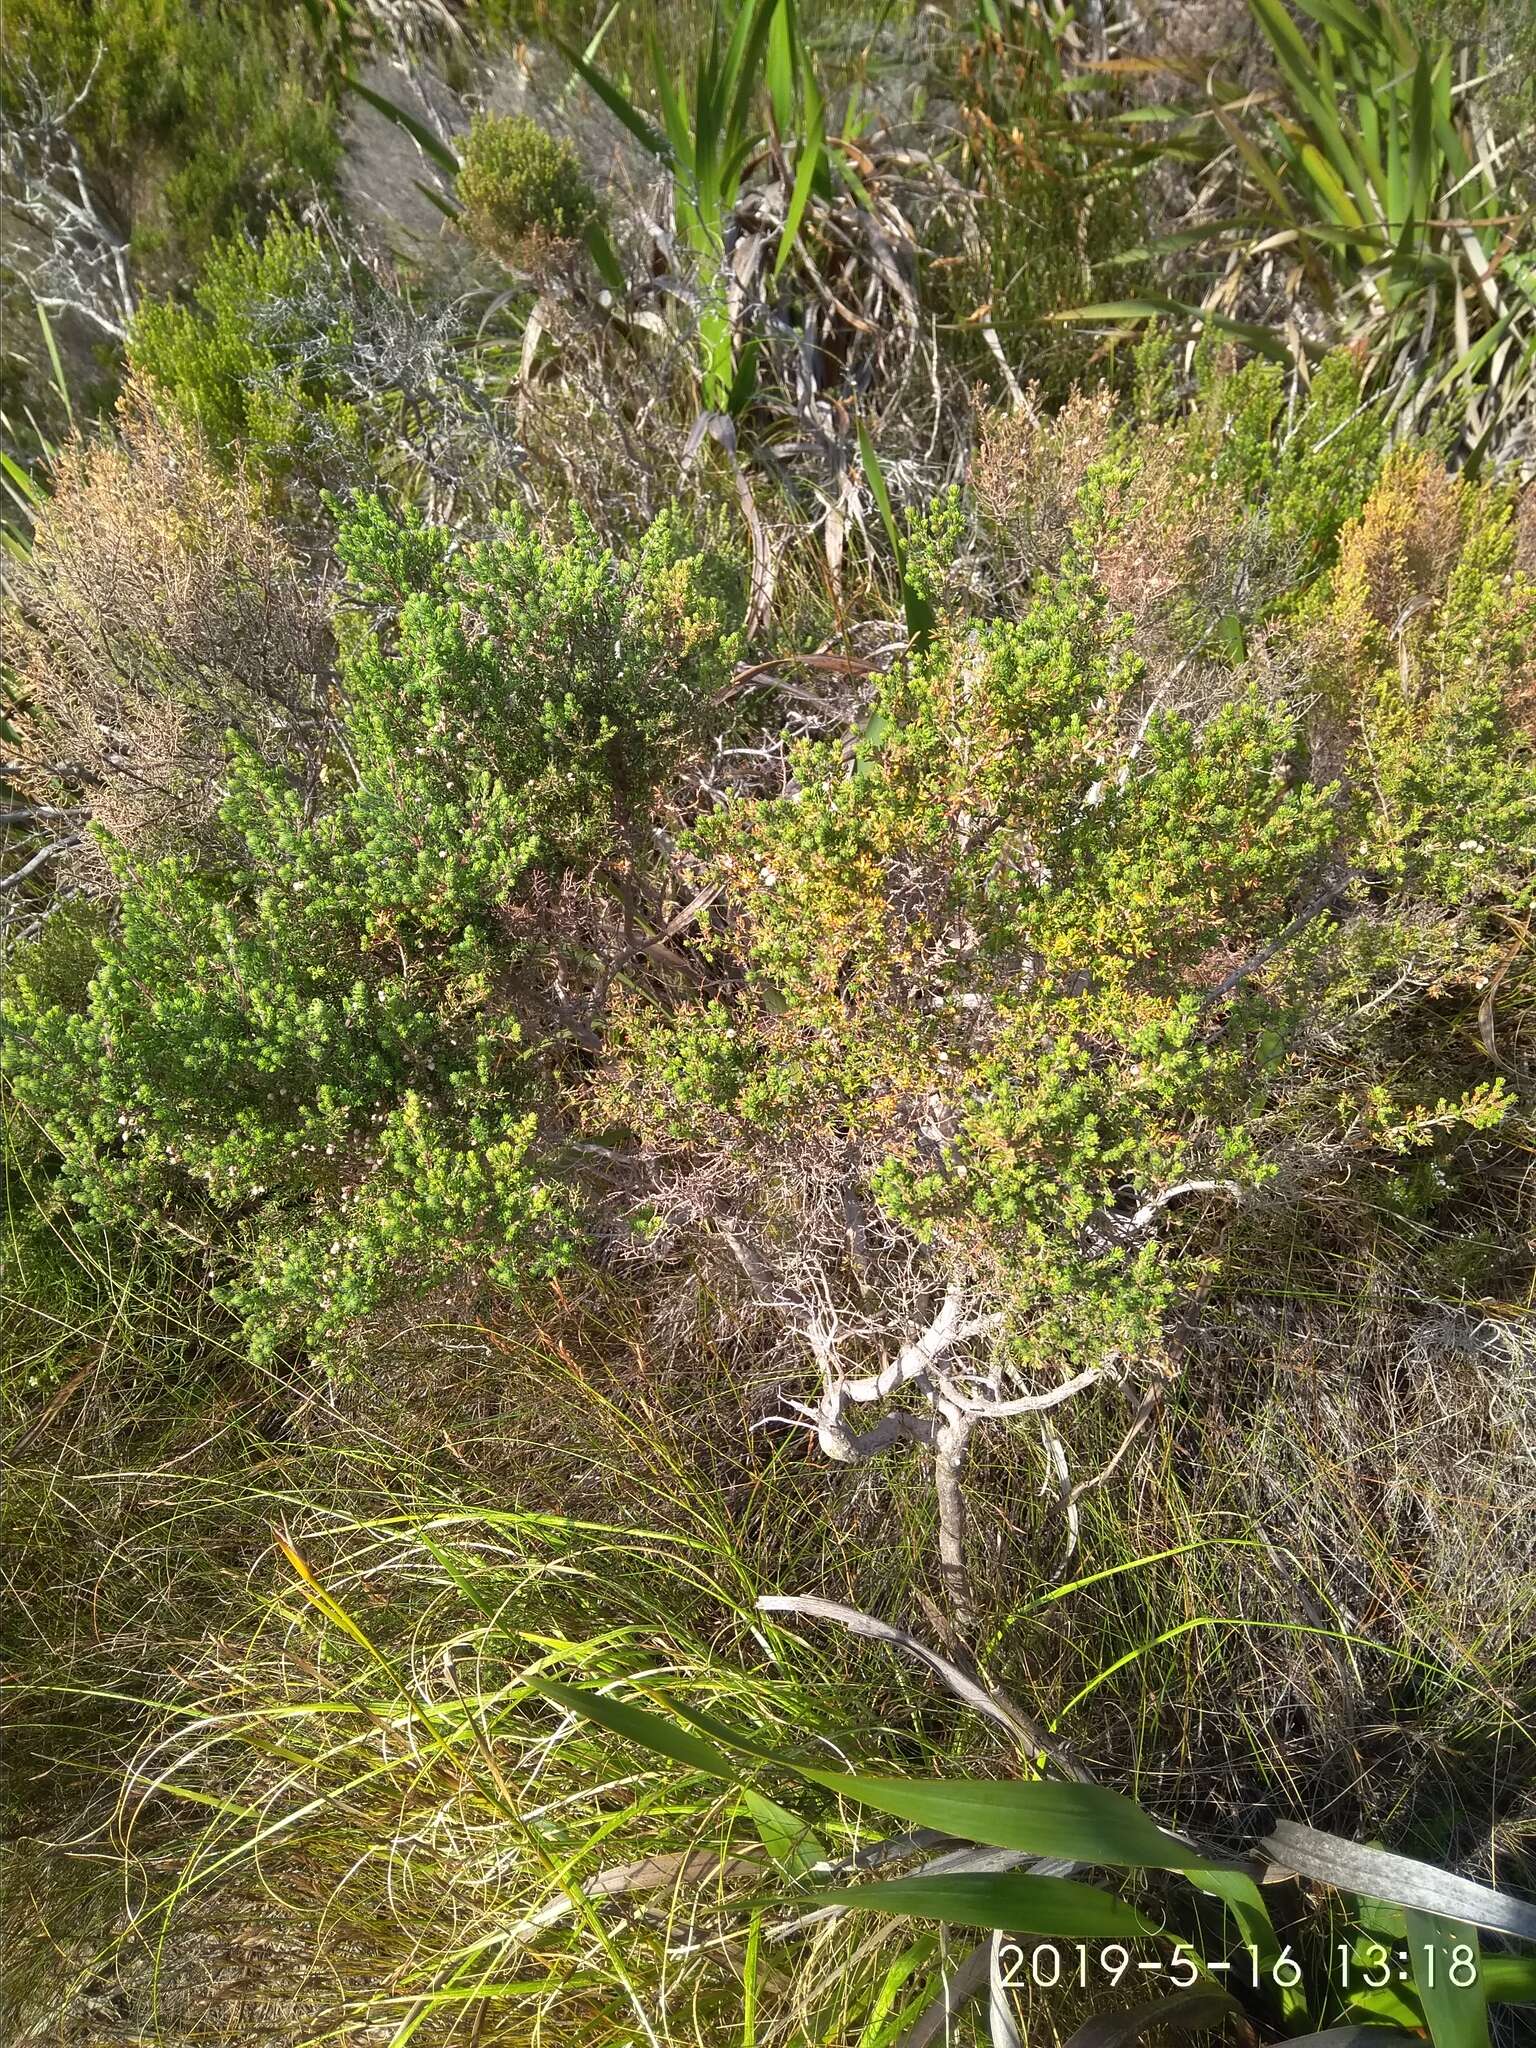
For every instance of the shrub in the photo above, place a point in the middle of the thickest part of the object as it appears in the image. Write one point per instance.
(521, 188)
(1203, 519)
(337, 1047)
(203, 116)
(306, 374)
(1032, 985)
(975, 965)
(154, 613)
(1426, 643)
(257, 361)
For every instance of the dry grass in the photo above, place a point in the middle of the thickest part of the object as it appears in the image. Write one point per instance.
(1310, 1590)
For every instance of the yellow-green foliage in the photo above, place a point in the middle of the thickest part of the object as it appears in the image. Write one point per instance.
(520, 187)
(328, 1046)
(1428, 644)
(1047, 936)
(256, 360)
(1063, 921)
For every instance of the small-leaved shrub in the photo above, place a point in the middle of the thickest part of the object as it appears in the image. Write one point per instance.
(257, 360)
(334, 1049)
(200, 119)
(1071, 922)
(521, 188)
(154, 612)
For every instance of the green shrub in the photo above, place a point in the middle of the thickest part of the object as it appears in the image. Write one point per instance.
(305, 373)
(331, 1050)
(257, 361)
(1425, 642)
(521, 188)
(1061, 927)
(1202, 519)
(978, 958)
(1087, 908)
(203, 116)
(1300, 470)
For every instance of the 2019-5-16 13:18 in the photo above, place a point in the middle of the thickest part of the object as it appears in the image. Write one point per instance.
(1372, 1966)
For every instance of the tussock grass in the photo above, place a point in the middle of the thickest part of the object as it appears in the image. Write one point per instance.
(337, 1774)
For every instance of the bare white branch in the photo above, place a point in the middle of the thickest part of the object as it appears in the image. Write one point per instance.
(66, 248)
(1153, 1208)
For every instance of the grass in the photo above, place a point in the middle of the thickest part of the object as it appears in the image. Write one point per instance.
(1372, 178)
(628, 38)
(304, 1637)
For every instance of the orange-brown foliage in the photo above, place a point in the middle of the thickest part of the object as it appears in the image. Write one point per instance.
(155, 613)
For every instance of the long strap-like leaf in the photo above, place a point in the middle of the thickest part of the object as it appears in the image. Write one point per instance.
(1398, 1880)
(1186, 2012)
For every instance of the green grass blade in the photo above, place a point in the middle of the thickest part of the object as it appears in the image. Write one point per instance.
(1257, 164)
(1419, 198)
(709, 138)
(60, 381)
(429, 144)
(1329, 187)
(604, 257)
(623, 110)
(1446, 134)
(1398, 170)
(1342, 15)
(745, 76)
(1081, 1823)
(811, 150)
(736, 69)
(26, 490)
(1442, 1953)
(637, 1725)
(1509, 1980)
(784, 66)
(447, 207)
(916, 607)
(1300, 67)
(674, 112)
(1156, 308)
(788, 1839)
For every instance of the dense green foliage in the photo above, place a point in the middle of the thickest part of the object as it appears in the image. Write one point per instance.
(687, 873)
(200, 115)
(1046, 950)
(1032, 945)
(323, 1041)
(519, 186)
(255, 360)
